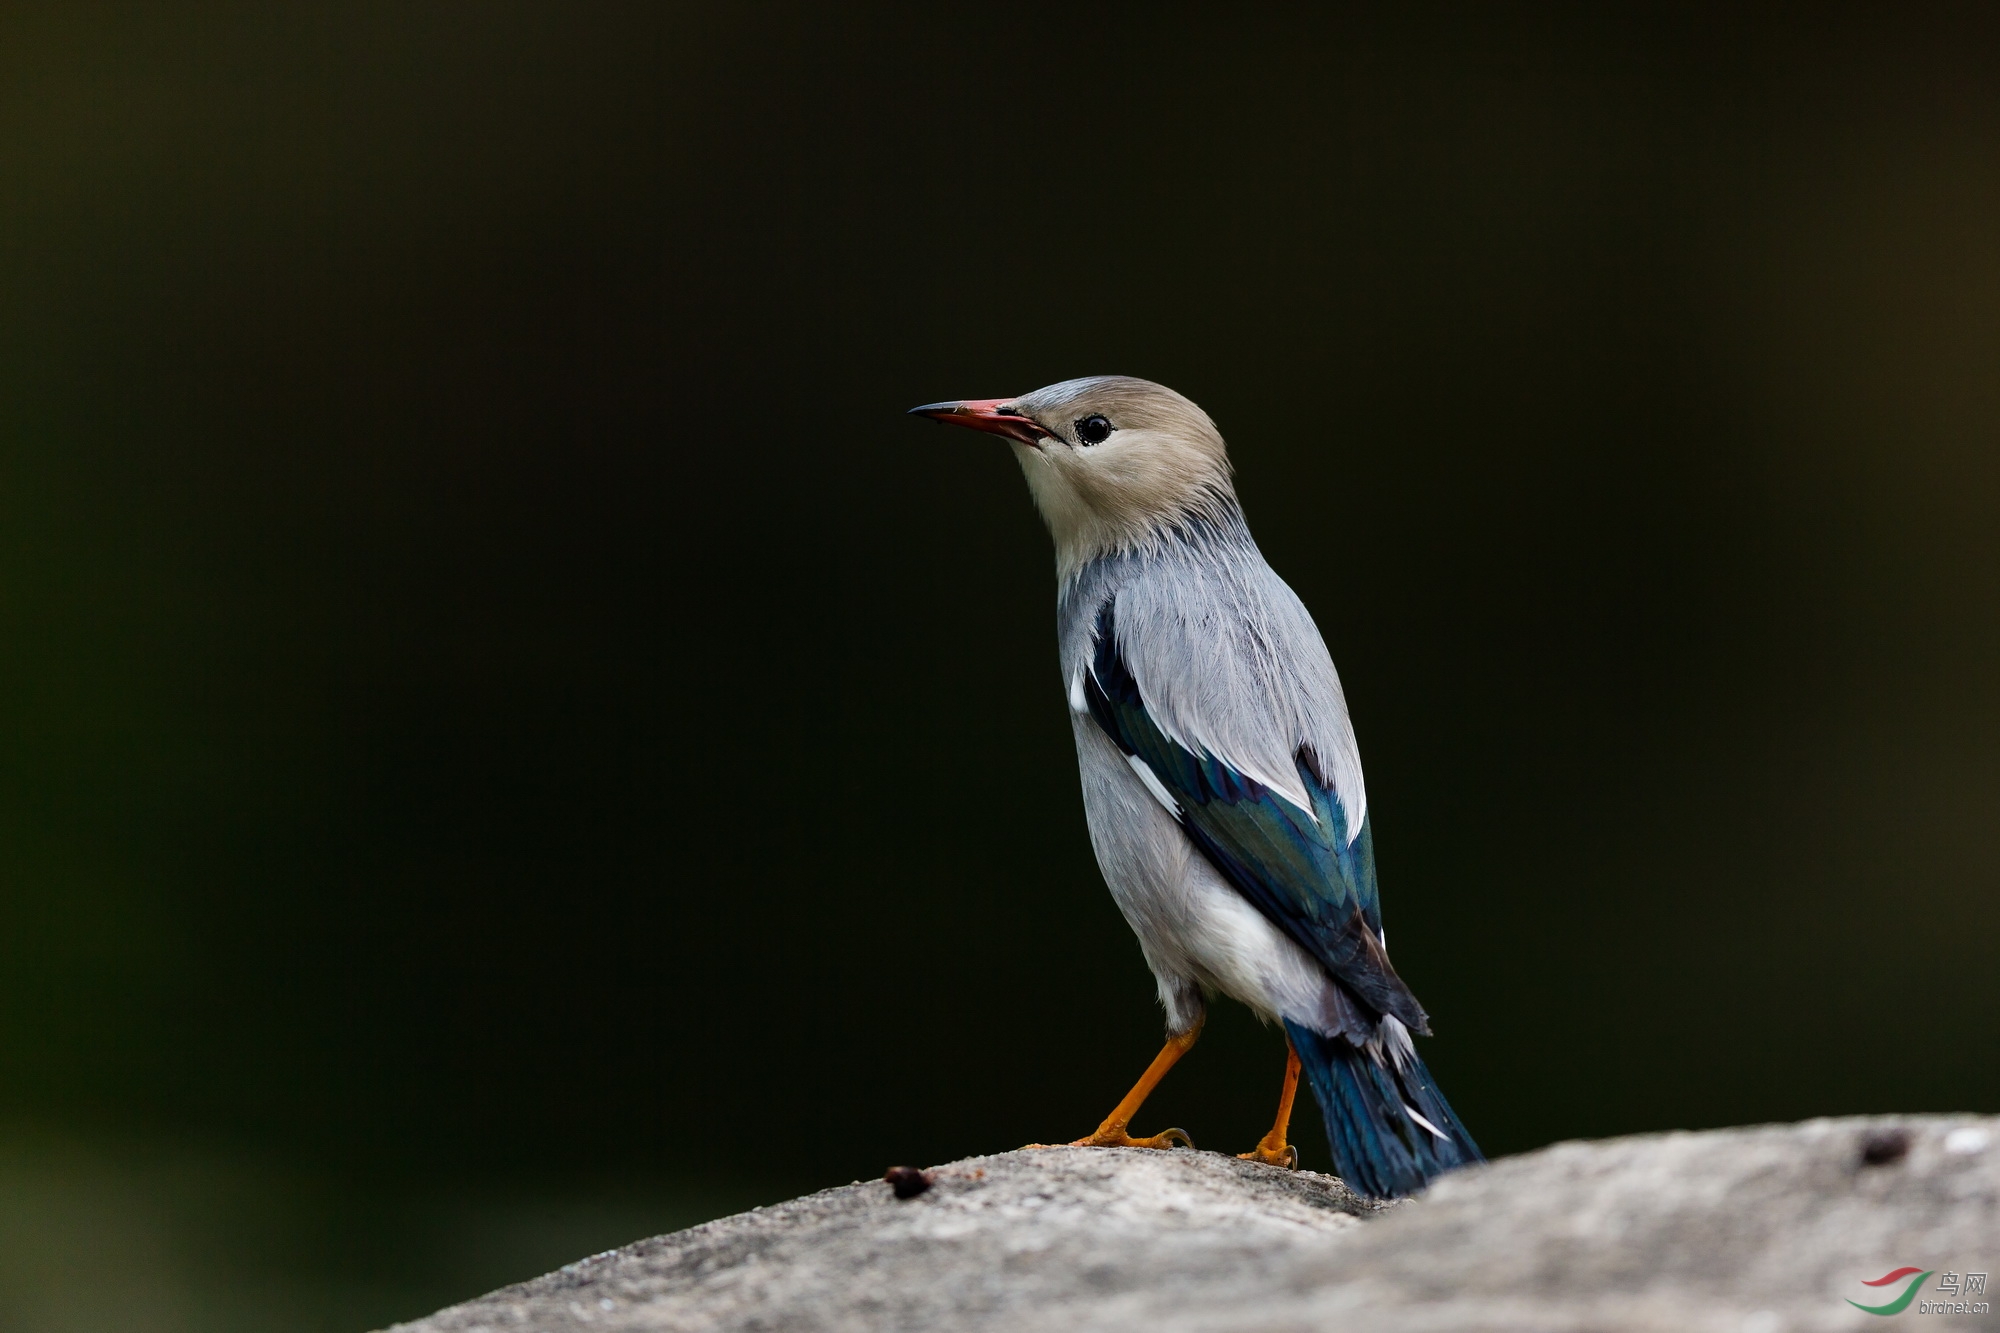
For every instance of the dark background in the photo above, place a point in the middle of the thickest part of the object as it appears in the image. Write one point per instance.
(496, 697)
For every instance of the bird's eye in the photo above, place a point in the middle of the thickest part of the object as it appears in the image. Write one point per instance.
(1093, 430)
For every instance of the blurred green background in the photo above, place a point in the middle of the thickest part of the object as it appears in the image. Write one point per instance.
(513, 743)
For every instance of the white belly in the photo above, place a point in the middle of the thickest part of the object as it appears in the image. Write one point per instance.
(1195, 929)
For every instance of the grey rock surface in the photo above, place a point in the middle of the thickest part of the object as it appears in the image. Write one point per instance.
(1759, 1230)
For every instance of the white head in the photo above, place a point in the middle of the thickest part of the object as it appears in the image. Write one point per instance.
(1113, 462)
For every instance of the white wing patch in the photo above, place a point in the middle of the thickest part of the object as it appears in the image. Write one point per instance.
(1077, 703)
(1154, 785)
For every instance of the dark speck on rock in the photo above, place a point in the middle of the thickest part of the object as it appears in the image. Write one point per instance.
(907, 1181)
(1881, 1147)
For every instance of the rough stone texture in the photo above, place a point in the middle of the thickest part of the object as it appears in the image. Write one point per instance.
(1758, 1230)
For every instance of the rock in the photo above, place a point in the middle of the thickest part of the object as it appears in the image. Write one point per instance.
(1759, 1230)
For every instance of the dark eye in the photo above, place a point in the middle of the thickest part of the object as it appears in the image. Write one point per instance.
(1093, 430)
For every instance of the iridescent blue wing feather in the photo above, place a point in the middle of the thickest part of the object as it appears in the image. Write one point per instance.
(1300, 868)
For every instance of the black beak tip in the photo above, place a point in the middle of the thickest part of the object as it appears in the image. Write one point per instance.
(933, 410)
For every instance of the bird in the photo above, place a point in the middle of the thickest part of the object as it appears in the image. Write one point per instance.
(1221, 778)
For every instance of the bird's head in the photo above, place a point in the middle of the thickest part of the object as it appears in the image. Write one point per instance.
(1113, 462)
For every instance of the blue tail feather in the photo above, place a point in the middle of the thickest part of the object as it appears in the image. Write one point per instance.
(1377, 1147)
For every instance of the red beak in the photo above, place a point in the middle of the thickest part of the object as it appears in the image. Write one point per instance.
(995, 416)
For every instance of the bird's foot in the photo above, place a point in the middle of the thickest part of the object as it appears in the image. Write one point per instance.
(1273, 1152)
(1114, 1136)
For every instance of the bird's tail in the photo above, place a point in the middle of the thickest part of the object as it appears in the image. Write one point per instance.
(1391, 1130)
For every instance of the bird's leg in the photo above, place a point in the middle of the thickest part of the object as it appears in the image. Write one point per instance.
(1112, 1133)
(1274, 1150)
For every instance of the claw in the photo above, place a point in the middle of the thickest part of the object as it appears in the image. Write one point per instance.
(1286, 1156)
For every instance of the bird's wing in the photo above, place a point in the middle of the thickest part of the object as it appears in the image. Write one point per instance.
(1301, 867)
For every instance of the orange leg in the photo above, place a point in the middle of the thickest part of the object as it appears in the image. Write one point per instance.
(1112, 1133)
(1274, 1151)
